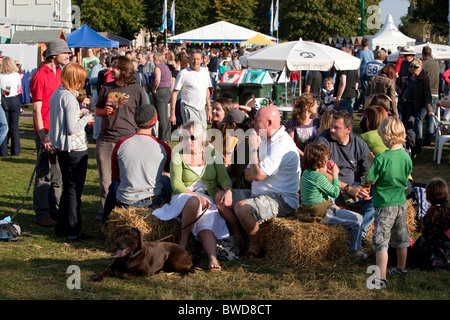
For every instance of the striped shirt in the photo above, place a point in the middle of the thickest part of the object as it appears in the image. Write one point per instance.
(316, 188)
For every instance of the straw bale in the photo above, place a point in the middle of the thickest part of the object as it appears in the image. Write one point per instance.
(289, 241)
(286, 241)
(151, 227)
(411, 221)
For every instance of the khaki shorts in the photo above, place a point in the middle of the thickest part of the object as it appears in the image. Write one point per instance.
(390, 225)
(264, 207)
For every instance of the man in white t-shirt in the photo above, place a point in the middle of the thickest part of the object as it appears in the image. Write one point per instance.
(194, 83)
(274, 170)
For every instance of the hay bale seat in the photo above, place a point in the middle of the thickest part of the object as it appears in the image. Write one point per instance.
(286, 241)
(289, 241)
(151, 227)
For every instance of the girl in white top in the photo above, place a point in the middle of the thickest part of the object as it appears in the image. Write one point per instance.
(10, 85)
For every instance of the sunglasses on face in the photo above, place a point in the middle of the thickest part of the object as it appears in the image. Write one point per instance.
(415, 67)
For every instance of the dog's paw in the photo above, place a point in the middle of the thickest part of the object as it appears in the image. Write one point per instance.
(97, 279)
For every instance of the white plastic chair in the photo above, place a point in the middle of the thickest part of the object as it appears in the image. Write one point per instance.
(441, 139)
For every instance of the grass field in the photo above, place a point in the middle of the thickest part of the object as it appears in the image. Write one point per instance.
(36, 267)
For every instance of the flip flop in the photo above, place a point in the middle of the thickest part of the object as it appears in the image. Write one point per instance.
(214, 267)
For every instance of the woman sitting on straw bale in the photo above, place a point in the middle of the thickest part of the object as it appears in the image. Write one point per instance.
(373, 116)
(195, 172)
(222, 141)
(316, 190)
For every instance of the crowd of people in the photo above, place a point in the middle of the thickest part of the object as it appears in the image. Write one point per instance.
(234, 166)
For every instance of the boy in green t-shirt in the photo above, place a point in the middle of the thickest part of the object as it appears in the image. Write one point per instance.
(389, 173)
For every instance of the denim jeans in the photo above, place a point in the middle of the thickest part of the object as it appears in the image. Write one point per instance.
(347, 105)
(293, 86)
(12, 117)
(430, 127)
(111, 201)
(213, 76)
(3, 125)
(367, 211)
(73, 170)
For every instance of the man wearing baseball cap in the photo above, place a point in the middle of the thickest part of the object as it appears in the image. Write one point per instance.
(137, 165)
(47, 186)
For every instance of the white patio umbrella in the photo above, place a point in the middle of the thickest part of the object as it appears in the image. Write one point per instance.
(298, 56)
(438, 52)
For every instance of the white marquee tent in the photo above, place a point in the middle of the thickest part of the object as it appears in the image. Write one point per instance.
(218, 32)
(389, 37)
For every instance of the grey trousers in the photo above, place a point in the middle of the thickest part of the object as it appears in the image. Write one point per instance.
(162, 98)
(103, 152)
(47, 185)
(189, 113)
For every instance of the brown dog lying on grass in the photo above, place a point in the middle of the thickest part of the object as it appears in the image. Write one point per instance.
(136, 257)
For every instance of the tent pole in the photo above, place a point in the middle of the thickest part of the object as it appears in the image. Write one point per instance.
(165, 38)
(285, 85)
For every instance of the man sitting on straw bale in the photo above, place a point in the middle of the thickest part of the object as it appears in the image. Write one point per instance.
(137, 166)
(349, 152)
(274, 171)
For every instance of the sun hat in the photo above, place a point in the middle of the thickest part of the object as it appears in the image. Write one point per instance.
(408, 50)
(145, 116)
(234, 116)
(56, 47)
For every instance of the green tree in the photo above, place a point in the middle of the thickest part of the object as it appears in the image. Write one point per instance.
(433, 12)
(315, 20)
(237, 12)
(124, 18)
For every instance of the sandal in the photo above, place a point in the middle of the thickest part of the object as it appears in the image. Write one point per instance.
(214, 267)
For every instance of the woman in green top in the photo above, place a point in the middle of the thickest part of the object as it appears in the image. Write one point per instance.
(195, 172)
(373, 116)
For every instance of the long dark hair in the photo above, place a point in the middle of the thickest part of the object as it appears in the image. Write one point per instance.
(126, 70)
(439, 212)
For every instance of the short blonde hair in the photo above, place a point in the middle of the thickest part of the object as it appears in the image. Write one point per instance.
(159, 56)
(73, 76)
(416, 64)
(392, 131)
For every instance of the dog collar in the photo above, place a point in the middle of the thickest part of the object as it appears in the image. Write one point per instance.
(136, 253)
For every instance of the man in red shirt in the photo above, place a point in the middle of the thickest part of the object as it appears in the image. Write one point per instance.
(47, 185)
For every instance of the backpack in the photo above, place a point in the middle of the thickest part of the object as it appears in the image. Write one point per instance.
(9, 231)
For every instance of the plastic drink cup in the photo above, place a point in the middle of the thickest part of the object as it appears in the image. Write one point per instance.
(365, 184)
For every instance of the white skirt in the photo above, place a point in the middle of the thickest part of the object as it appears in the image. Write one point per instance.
(210, 220)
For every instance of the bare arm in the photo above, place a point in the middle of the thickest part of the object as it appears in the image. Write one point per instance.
(173, 103)
(157, 79)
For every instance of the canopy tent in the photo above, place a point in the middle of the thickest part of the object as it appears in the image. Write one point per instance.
(438, 52)
(86, 37)
(123, 42)
(222, 32)
(258, 39)
(389, 37)
(37, 36)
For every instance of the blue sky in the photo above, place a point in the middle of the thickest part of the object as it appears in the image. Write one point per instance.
(397, 8)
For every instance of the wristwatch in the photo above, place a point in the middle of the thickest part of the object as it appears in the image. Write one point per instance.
(346, 188)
